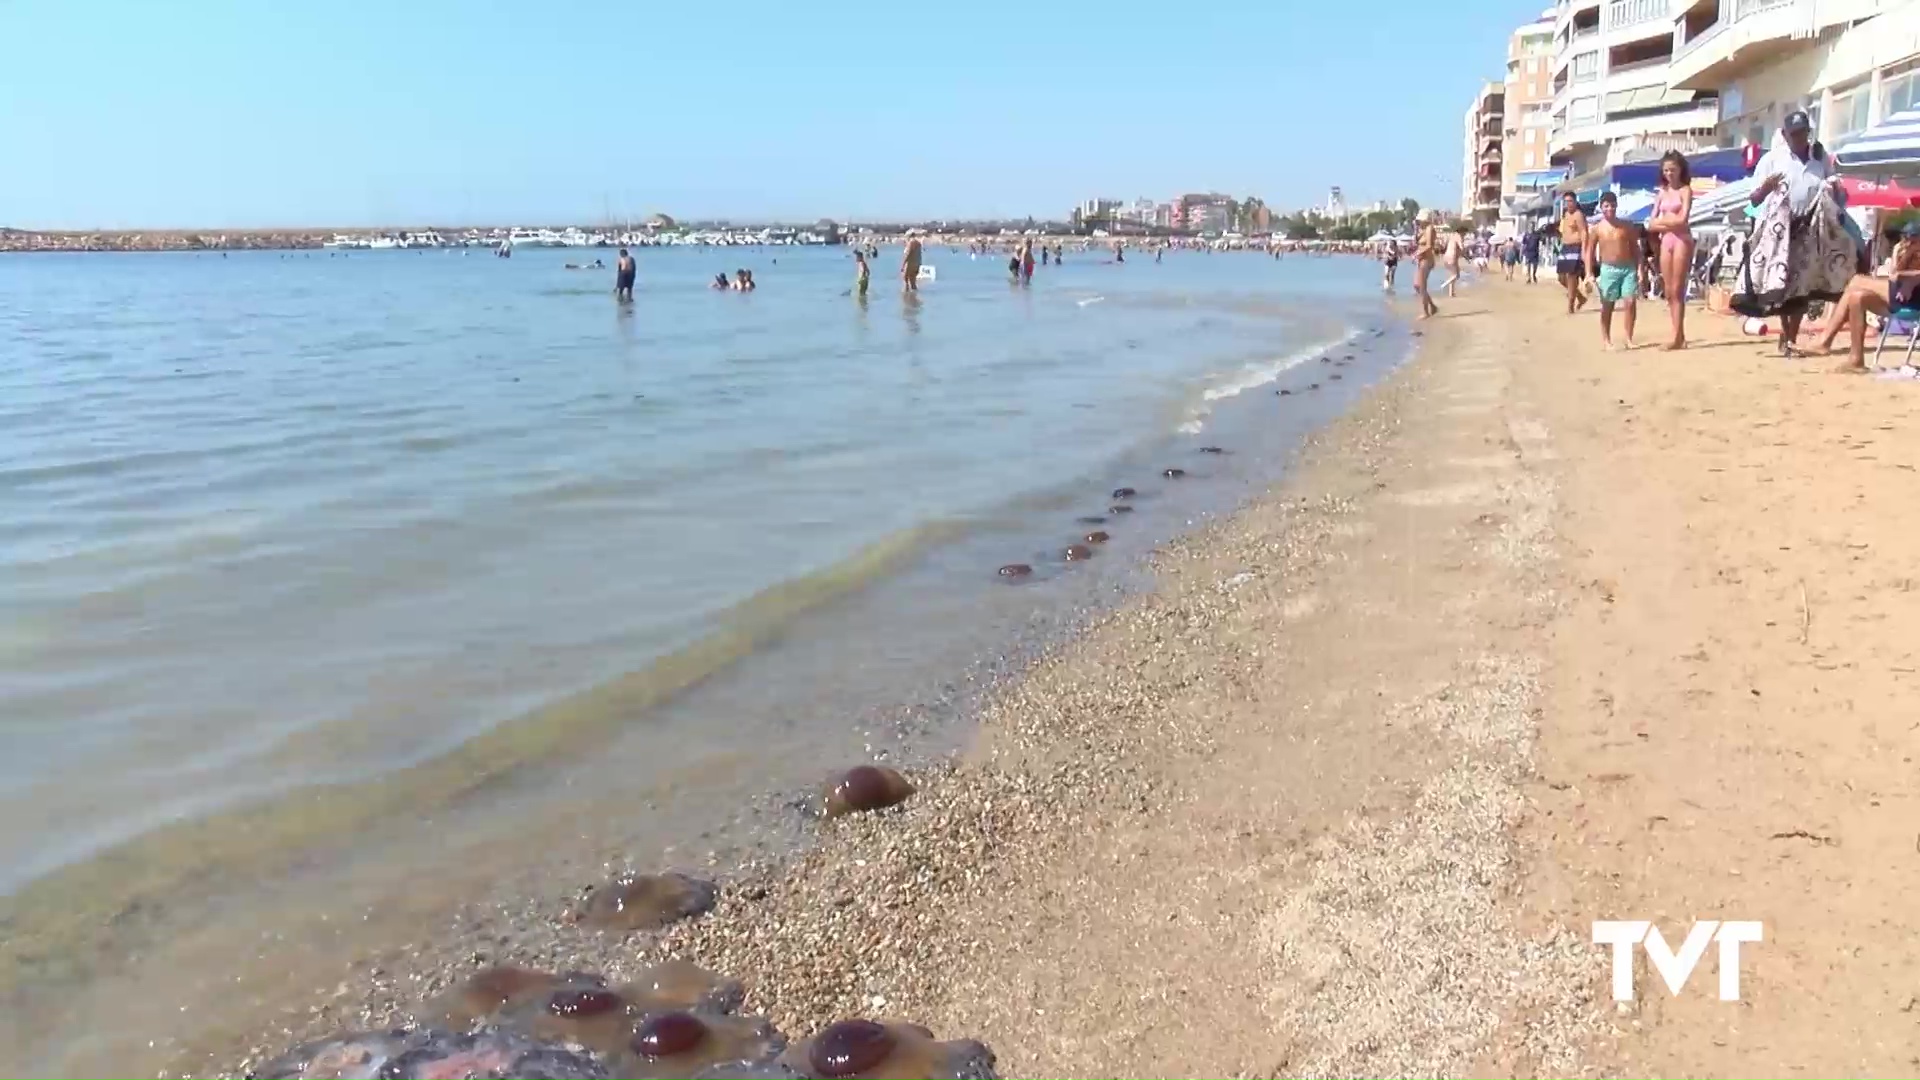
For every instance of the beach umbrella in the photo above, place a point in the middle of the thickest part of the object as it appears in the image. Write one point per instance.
(1877, 194)
(1713, 205)
(1889, 148)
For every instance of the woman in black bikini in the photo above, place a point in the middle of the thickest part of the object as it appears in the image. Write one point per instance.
(1879, 295)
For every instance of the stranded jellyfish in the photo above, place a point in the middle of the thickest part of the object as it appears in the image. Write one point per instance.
(1092, 519)
(409, 1054)
(1077, 552)
(1174, 474)
(1120, 508)
(1284, 393)
(481, 996)
(867, 787)
(864, 1048)
(583, 1004)
(1313, 386)
(1016, 569)
(1335, 375)
(679, 985)
(1123, 493)
(688, 1044)
(1211, 450)
(646, 901)
(1097, 537)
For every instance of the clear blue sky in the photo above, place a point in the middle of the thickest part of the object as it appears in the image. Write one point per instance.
(159, 113)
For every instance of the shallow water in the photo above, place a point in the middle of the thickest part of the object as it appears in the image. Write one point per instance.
(322, 570)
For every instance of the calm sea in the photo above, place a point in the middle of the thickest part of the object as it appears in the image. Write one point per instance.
(317, 567)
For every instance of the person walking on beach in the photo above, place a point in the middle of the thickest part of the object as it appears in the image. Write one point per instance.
(1799, 252)
(1671, 207)
(1615, 256)
(862, 274)
(1572, 263)
(1530, 254)
(623, 277)
(910, 266)
(1450, 258)
(1426, 244)
(1389, 263)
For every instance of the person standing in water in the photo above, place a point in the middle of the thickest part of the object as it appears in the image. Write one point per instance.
(1426, 244)
(910, 265)
(1026, 262)
(623, 277)
(862, 274)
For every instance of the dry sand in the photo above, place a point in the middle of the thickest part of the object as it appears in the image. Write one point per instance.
(1521, 644)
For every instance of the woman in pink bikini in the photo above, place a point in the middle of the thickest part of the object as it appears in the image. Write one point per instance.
(1672, 205)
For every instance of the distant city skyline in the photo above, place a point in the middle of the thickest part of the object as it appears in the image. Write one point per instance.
(226, 114)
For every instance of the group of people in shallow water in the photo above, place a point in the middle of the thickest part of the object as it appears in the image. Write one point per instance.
(742, 282)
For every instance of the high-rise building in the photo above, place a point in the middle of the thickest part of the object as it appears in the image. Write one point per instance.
(1480, 172)
(1526, 165)
(1612, 101)
(1336, 204)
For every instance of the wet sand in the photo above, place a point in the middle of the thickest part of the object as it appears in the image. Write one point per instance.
(1535, 635)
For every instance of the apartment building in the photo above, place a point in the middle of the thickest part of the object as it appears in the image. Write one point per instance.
(1526, 161)
(1848, 63)
(1613, 100)
(1480, 176)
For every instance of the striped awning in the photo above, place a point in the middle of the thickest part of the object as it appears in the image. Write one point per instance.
(1889, 148)
(1713, 205)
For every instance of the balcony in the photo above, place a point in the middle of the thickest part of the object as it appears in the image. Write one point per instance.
(1491, 157)
(1743, 34)
(1604, 128)
(1626, 14)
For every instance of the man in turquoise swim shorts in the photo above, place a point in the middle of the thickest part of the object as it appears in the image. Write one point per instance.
(1614, 253)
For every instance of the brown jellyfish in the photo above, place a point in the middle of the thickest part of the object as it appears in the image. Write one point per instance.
(1016, 569)
(1211, 450)
(1284, 393)
(1335, 375)
(1173, 474)
(1097, 537)
(1313, 386)
(646, 901)
(1120, 508)
(581, 1010)
(1123, 493)
(867, 787)
(677, 1043)
(1077, 552)
(865, 1048)
(1091, 519)
(482, 995)
(685, 986)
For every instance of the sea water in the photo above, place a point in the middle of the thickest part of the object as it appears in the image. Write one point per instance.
(325, 567)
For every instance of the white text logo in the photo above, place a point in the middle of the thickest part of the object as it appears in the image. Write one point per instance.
(1675, 968)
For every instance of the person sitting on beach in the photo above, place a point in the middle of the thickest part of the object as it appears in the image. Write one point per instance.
(1616, 257)
(1898, 288)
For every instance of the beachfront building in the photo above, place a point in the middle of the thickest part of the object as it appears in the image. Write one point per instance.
(1527, 173)
(1848, 63)
(1613, 101)
(1480, 178)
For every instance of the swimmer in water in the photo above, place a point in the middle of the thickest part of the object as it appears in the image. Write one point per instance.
(720, 282)
(622, 276)
(910, 266)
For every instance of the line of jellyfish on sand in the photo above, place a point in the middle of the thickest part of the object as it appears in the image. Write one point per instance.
(1123, 497)
(674, 1020)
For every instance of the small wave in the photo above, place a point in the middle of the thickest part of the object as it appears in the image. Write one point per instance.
(1252, 376)
(1090, 300)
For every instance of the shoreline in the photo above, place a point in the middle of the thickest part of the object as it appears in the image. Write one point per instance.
(1151, 770)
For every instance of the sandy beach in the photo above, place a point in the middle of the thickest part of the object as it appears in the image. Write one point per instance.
(1534, 636)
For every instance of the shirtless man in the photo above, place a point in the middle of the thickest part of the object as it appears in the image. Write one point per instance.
(1573, 246)
(910, 265)
(1615, 257)
(1426, 242)
(623, 277)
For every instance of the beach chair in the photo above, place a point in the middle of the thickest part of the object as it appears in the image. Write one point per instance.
(1911, 317)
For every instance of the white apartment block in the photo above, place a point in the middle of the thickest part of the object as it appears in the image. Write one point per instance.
(1613, 99)
(1848, 63)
